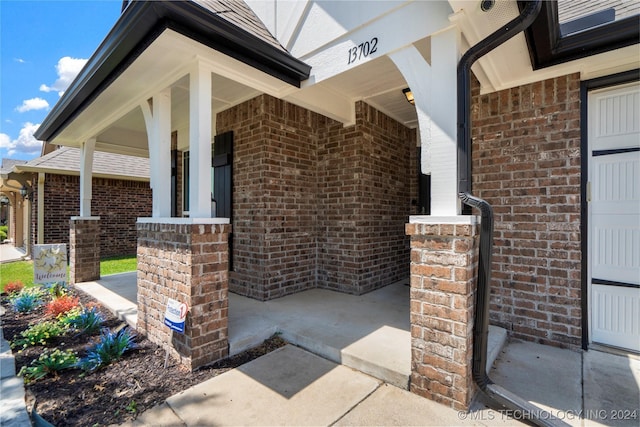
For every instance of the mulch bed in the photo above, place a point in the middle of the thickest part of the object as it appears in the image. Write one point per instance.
(118, 392)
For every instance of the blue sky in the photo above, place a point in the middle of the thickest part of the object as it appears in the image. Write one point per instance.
(43, 45)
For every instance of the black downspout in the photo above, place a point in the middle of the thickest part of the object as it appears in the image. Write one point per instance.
(499, 398)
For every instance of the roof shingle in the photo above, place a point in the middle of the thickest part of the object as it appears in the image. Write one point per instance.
(66, 160)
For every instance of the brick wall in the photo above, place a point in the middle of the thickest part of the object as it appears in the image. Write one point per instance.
(84, 249)
(188, 263)
(118, 203)
(526, 163)
(444, 260)
(274, 208)
(365, 175)
(315, 203)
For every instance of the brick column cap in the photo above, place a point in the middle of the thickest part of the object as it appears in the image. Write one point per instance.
(439, 220)
(85, 218)
(180, 221)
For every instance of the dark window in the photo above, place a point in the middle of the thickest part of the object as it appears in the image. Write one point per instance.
(581, 30)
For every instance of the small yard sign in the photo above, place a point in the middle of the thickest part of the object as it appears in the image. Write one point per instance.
(50, 263)
(175, 315)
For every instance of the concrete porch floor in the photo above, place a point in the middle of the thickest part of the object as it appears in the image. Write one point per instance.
(369, 333)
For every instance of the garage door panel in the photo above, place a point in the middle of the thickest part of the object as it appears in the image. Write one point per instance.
(616, 319)
(616, 249)
(615, 119)
(614, 216)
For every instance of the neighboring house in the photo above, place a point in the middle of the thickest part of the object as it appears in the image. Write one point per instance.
(318, 160)
(15, 208)
(120, 194)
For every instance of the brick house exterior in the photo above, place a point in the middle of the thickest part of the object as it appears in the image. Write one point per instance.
(310, 208)
(526, 163)
(117, 202)
(118, 199)
(323, 169)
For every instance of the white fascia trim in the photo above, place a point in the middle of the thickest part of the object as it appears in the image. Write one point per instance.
(180, 221)
(436, 220)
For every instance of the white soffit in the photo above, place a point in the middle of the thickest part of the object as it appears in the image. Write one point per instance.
(509, 65)
(165, 63)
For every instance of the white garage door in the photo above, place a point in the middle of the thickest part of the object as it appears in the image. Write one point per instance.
(614, 216)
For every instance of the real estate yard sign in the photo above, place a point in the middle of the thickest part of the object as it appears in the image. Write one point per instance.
(175, 315)
(50, 263)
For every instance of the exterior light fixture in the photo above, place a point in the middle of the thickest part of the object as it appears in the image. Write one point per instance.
(409, 95)
(26, 192)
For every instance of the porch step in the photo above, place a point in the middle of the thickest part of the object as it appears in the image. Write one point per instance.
(381, 354)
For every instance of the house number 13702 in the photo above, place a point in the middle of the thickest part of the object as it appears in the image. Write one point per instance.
(363, 50)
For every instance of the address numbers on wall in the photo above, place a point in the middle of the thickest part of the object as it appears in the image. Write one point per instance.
(363, 50)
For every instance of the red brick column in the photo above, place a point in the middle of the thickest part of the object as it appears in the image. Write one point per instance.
(186, 260)
(84, 249)
(443, 267)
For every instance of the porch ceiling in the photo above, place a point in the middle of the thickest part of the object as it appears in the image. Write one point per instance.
(115, 117)
(377, 82)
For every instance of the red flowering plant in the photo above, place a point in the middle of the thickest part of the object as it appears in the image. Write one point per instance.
(62, 305)
(13, 287)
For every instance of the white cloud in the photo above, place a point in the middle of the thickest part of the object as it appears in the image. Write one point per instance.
(19, 60)
(25, 143)
(33, 104)
(67, 68)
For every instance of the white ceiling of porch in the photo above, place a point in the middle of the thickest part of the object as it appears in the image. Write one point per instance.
(117, 120)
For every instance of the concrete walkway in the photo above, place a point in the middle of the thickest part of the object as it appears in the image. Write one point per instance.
(369, 333)
(9, 253)
(310, 384)
(13, 412)
(291, 386)
(350, 348)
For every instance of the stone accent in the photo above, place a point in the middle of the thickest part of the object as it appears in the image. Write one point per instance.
(526, 164)
(84, 249)
(186, 261)
(444, 260)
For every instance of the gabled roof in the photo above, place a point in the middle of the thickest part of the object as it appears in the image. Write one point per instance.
(66, 161)
(8, 164)
(228, 26)
(238, 13)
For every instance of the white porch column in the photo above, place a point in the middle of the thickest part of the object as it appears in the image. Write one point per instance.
(445, 48)
(200, 142)
(40, 209)
(86, 175)
(157, 118)
(417, 73)
(435, 93)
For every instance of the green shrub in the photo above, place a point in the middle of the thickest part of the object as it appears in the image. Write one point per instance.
(57, 290)
(27, 299)
(39, 334)
(24, 302)
(86, 321)
(47, 363)
(110, 348)
(4, 231)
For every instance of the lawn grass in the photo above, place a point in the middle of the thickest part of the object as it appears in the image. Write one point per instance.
(13, 271)
(119, 264)
(23, 270)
